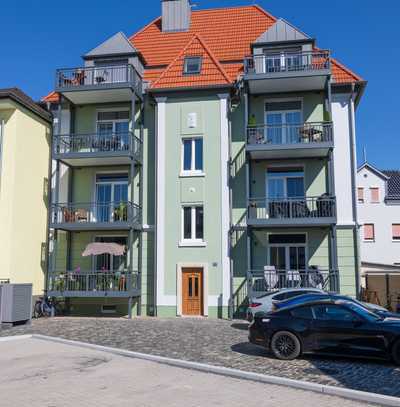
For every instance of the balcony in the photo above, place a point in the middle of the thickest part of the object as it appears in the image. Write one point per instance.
(96, 149)
(106, 83)
(292, 212)
(263, 281)
(305, 140)
(287, 71)
(95, 216)
(116, 284)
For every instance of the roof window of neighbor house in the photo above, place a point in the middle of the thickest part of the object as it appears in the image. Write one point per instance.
(192, 66)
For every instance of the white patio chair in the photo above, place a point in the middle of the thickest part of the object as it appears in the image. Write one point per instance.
(293, 279)
(271, 277)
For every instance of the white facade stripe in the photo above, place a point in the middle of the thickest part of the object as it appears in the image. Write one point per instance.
(225, 221)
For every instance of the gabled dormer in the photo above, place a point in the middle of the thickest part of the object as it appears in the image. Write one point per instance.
(283, 54)
(116, 50)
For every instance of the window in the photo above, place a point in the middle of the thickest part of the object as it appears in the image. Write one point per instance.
(302, 312)
(360, 195)
(112, 197)
(285, 183)
(374, 195)
(396, 232)
(193, 224)
(109, 262)
(369, 232)
(112, 130)
(287, 252)
(332, 313)
(283, 120)
(192, 66)
(192, 156)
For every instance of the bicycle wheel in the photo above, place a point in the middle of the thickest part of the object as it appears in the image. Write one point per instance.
(37, 309)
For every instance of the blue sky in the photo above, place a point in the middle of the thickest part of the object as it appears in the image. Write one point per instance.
(40, 36)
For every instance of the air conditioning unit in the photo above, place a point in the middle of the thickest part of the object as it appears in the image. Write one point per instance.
(15, 303)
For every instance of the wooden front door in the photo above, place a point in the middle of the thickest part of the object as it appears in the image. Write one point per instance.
(192, 291)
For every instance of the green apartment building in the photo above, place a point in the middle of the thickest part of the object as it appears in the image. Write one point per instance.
(207, 158)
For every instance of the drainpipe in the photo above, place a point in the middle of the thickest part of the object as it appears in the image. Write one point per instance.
(354, 186)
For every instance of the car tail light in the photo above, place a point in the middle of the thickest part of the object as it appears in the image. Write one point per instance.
(255, 304)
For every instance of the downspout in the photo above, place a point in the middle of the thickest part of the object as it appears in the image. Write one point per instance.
(354, 187)
(49, 203)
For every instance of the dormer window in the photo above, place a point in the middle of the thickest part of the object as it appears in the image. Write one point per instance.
(192, 66)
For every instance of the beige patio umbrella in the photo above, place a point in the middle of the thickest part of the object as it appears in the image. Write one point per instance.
(97, 248)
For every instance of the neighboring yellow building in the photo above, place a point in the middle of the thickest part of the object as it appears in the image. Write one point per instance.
(25, 136)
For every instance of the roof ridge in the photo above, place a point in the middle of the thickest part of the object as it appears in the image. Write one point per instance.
(213, 57)
(182, 52)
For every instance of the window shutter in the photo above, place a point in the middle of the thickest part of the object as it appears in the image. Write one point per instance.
(369, 232)
(396, 231)
(360, 194)
(374, 195)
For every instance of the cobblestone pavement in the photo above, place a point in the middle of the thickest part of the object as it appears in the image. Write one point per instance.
(217, 342)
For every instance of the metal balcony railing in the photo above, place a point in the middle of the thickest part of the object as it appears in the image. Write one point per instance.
(263, 281)
(97, 143)
(292, 208)
(94, 213)
(313, 133)
(98, 76)
(93, 281)
(301, 61)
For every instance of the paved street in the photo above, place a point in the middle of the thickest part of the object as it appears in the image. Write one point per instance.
(39, 373)
(216, 342)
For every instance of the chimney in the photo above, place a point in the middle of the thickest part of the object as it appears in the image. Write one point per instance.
(175, 15)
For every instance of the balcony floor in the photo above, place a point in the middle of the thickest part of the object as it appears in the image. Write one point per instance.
(278, 82)
(279, 151)
(84, 95)
(93, 159)
(95, 294)
(294, 222)
(87, 226)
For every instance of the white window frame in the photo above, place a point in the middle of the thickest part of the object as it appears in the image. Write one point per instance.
(286, 246)
(282, 113)
(121, 109)
(95, 182)
(192, 241)
(268, 177)
(94, 240)
(192, 172)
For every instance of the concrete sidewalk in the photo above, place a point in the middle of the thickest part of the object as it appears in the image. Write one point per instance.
(40, 373)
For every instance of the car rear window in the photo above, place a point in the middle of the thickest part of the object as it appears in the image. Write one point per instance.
(302, 312)
(293, 294)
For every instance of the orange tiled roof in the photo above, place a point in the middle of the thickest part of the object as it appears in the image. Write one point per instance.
(211, 70)
(51, 97)
(226, 33)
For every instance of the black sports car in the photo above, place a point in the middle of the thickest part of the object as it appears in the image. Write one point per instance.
(328, 326)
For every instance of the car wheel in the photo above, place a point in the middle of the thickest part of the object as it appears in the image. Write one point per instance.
(285, 345)
(396, 352)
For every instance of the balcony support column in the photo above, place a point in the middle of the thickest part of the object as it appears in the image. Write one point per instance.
(331, 174)
(334, 256)
(249, 265)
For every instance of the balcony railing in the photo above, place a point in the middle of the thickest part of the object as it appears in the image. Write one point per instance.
(82, 214)
(263, 281)
(303, 61)
(92, 282)
(4, 281)
(283, 134)
(97, 77)
(97, 144)
(292, 208)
